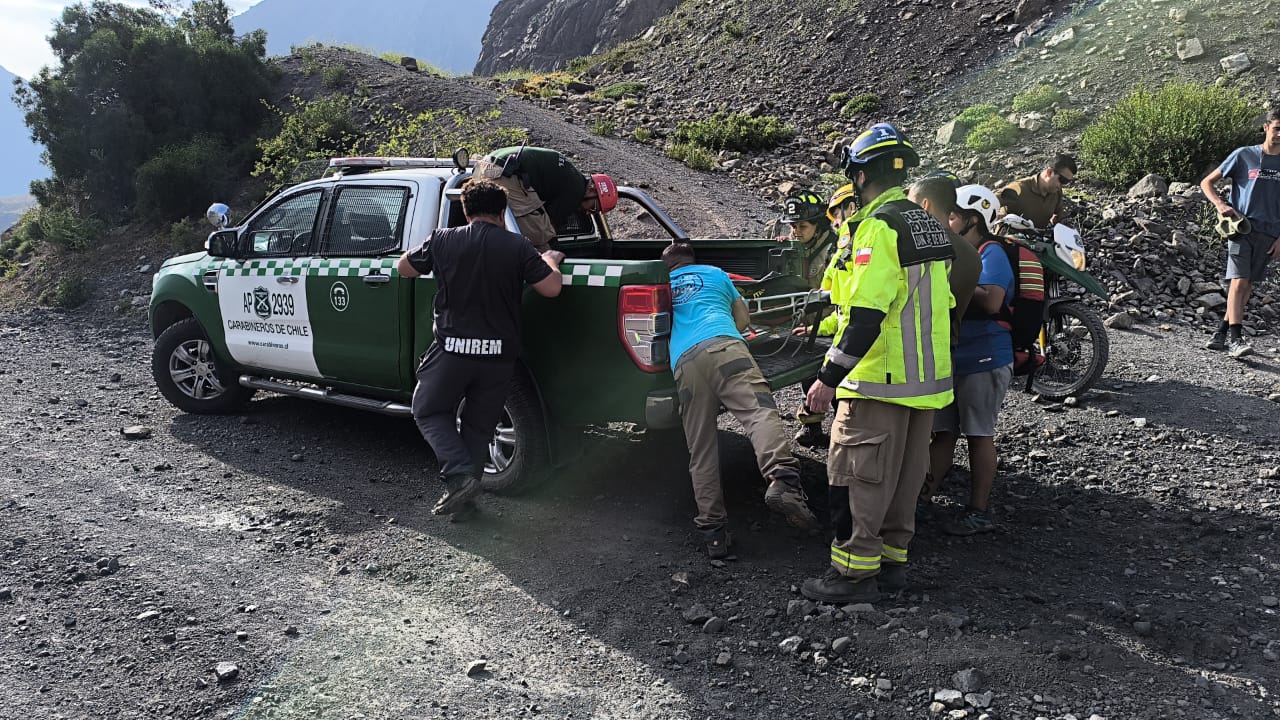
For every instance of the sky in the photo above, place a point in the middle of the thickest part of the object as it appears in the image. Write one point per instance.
(25, 23)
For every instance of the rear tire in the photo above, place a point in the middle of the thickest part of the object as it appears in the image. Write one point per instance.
(1077, 352)
(518, 453)
(190, 376)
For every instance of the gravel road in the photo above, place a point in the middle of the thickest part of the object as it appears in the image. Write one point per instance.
(284, 563)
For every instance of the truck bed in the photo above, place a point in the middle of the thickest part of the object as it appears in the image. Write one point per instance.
(780, 357)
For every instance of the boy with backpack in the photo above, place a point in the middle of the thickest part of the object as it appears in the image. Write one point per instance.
(982, 361)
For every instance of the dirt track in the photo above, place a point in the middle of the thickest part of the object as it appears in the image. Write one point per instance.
(1135, 577)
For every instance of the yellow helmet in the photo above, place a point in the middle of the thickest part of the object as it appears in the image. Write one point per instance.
(843, 195)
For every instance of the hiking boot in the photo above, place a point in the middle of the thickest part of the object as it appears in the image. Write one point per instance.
(972, 522)
(837, 589)
(813, 438)
(1238, 347)
(892, 577)
(1218, 341)
(717, 541)
(459, 490)
(789, 500)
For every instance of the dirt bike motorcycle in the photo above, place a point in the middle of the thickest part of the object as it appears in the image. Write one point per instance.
(1073, 341)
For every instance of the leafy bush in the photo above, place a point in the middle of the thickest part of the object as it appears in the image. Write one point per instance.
(695, 156)
(183, 179)
(602, 127)
(736, 131)
(312, 130)
(1040, 97)
(642, 134)
(71, 291)
(436, 133)
(1068, 119)
(333, 76)
(994, 132)
(734, 29)
(1176, 131)
(860, 105)
(60, 227)
(612, 59)
(619, 90)
(975, 114)
(837, 98)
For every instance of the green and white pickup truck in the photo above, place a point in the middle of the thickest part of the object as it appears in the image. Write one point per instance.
(302, 298)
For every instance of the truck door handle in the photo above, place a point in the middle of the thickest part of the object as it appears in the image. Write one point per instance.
(378, 279)
(287, 279)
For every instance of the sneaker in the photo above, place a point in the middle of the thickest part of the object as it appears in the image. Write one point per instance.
(1218, 341)
(1238, 347)
(812, 437)
(972, 522)
(892, 577)
(789, 501)
(460, 490)
(717, 541)
(837, 589)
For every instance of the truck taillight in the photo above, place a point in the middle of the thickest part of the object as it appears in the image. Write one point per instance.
(644, 322)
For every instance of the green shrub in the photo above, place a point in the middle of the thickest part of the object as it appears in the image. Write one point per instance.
(434, 133)
(1176, 131)
(59, 227)
(619, 90)
(602, 127)
(612, 59)
(736, 131)
(1068, 119)
(975, 114)
(1040, 97)
(836, 98)
(642, 134)
(734, 29)
(860, 105)
(695, 156)
(333, 76)
(994, 132)
(183, 179)
(312, 130)
(71, 291)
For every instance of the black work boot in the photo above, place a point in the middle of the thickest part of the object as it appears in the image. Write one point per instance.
(837, 589)
(717, 540)
(892, 577)
(460, 490)
(785, 497)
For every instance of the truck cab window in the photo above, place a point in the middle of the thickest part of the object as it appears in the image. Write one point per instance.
(366, 221)
(286, 228)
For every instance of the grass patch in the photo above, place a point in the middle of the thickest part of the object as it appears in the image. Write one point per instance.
(837, 98)
(734, 29)
(1177, 131)
(611, 59)
(333, 76)
(1069, 119)
(695, 156)
(975, 114)
(992, 133)
(860, 105)
(642, 134)
(71, 291)
(1040, 97)
(619, 90)
(734, 131)
(602, 127)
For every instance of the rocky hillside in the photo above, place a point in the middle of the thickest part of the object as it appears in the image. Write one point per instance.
(541, 35)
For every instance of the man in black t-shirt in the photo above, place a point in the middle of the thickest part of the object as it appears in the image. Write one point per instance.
(545, 189)
(480, 271)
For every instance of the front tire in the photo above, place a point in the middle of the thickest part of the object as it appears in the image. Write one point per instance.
(188, 374)
(518, 453)
(1076, 353)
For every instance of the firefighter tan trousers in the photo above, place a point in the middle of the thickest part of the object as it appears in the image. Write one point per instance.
(720, 372)
(880, 453)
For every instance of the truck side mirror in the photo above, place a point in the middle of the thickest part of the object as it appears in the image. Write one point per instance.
(224, 244)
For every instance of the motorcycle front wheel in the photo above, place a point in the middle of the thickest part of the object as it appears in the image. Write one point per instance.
(1075, 348)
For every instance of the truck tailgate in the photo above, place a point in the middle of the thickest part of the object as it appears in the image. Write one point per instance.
(788, 360)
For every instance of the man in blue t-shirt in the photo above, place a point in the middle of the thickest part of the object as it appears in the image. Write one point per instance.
(1255, 194)
(982, 363)
(714, 368)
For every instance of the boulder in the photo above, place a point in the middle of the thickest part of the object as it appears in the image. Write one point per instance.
(951, 133)
(1028, 10)
(1032, 121)
(1063, 39)
(1150, 186)
(1189, 49)
(408, 63)
(1236, 64)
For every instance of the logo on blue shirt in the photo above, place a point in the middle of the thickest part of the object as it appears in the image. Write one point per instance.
(685, 286)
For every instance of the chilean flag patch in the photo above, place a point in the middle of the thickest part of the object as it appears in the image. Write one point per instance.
(862, 256)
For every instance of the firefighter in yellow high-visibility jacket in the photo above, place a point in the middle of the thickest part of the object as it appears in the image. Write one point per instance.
(889, 368)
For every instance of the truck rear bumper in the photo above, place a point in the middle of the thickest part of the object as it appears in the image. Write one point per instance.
(662, 410)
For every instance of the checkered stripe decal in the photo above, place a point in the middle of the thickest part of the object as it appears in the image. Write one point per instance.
(314, 267)
(591, 275)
